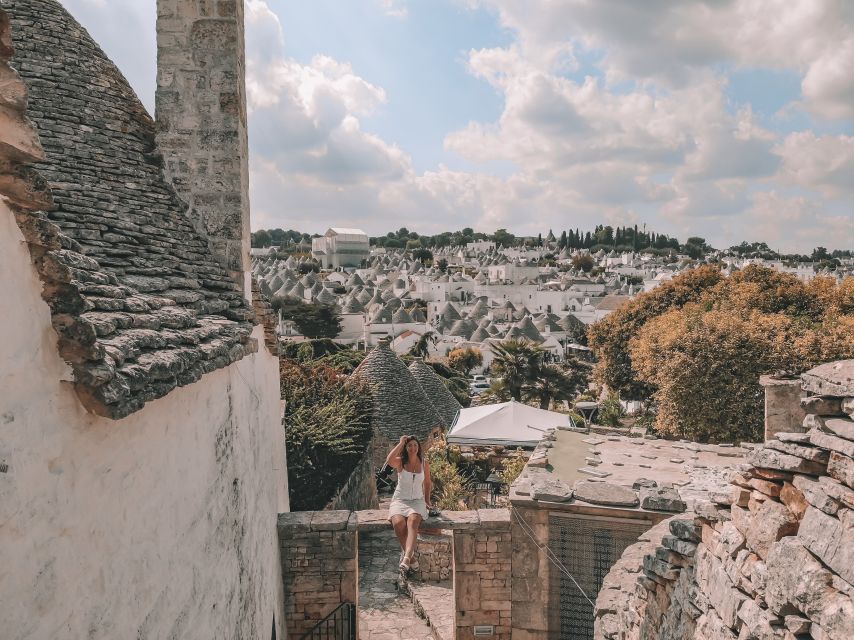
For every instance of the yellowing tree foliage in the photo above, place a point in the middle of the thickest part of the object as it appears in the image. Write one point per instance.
(700, 359)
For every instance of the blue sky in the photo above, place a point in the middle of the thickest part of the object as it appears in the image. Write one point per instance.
(732, 121)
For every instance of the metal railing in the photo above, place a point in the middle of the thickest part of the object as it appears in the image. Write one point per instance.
(338, 625)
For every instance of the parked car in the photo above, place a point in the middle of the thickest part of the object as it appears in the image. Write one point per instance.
(479, 378)
(476, 388)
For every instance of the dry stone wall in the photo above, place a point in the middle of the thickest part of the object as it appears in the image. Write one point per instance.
(771, 558)
(360, 489)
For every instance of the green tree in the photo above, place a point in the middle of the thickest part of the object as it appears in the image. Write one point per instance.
(261, 239)
(517, 362)
(423, 255)
(422, 345)
(583, 261)
(611, 410)
(502, 238)
(557, 382)
(312, 320)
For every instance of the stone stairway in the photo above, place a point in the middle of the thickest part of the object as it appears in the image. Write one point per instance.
(386, 612)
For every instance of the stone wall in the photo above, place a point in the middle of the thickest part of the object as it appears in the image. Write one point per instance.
(434, 558)
(201, 120)
(775, 556)
(783, 411)
(319, 552)
(360, 490)
(483, 575)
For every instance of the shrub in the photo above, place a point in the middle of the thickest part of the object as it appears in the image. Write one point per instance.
(327, 429)
(611, 411)
(511, 467)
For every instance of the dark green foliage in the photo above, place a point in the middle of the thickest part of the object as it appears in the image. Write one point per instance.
(312, 320)
(327, 428)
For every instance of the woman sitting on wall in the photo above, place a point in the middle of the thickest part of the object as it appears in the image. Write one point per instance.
(411, 499)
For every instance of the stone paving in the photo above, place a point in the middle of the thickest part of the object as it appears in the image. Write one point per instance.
(384, 612)
(436, 602)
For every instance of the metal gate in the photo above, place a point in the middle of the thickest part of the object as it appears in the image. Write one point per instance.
(338, 625)
(588, 547)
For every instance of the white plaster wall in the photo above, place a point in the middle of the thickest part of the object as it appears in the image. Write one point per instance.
(161, 525)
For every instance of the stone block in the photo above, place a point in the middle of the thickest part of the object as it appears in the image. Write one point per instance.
(456, 520)
(684, 529)
(682, 547)
(847, 406)
(822, 405)
(830, 379)
(605, 493)
(800, 450)
(837, 491)
(330, 520)
(794, 500)
(551, 490)
(842, 427)
(767, 487)
(294, 522)
(494, 518)
(830, 539)
(661, 499)
(769, 523)
(814, 493)
(711, 627)
(777, 460)
(832, 442)
(797, 438)
(841, 467)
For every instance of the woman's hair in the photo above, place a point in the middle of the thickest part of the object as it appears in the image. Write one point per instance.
(405, 454)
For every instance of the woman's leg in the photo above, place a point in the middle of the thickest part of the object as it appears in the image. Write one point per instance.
(399, 524)
(412, 524)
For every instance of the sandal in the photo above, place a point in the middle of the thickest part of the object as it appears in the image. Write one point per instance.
(405, 563)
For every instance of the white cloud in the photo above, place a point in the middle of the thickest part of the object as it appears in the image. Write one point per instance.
(822, 163)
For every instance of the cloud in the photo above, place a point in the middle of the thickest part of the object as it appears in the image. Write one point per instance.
(822, 163)
(394, 8)
(613, 111)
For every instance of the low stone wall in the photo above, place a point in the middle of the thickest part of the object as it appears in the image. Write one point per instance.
(360, 490)
(319, 565)
(434, 561)
(482, 576)
(775, 559)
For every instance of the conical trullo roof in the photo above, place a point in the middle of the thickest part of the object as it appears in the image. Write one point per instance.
(527, 329)
(401, 316)
(352, 305)
(417, 315)
(443, 401)
(480, 334)
(479, 310)
(449, 312)
(400, 406)
(462, 329)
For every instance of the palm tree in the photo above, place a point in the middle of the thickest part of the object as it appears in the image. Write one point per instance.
(419, 349)
(558, 382)
(517, 362)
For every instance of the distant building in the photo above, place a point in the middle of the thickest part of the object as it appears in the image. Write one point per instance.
(340, 247)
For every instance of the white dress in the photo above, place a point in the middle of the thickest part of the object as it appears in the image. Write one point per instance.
(408, 495)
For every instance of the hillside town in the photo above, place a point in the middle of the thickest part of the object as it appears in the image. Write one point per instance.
(382, 438)
(477, 295)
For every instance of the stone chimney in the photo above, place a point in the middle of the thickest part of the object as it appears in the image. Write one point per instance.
(201, 121)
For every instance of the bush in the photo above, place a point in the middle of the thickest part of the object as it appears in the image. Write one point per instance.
(511, 467)
(449, 485)
(611, 411)
(327, 429)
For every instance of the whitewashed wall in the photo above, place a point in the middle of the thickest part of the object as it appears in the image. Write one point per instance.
(160, 525)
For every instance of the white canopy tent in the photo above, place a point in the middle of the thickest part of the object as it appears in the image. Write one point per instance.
(508, 423)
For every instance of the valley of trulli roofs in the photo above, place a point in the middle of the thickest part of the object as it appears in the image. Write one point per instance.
(409, 320)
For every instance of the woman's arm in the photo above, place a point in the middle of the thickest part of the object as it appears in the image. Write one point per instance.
(394, 459)
(428, 484)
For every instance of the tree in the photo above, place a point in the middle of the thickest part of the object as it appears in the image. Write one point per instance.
(583, 262)
(609, 337)
(563, 240)
(464, 360)
(819, 253)
(502, 238)
(261, 239)
(424, 256)
(517, 362)
(442, 264)
(312, 320)
(420, 348)
(611, 410)
(554, 382)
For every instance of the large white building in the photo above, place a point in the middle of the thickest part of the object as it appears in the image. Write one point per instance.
(340, 247)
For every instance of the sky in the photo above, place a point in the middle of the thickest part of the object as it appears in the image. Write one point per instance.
(727, 119)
